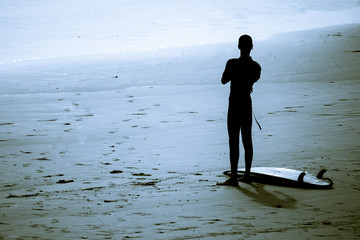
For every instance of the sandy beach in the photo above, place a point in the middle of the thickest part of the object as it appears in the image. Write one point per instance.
(130, 146)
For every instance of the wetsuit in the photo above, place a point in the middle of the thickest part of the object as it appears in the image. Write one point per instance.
(242, 73)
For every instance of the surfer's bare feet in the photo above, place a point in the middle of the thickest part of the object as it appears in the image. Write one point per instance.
(230, 182)
(245, 179)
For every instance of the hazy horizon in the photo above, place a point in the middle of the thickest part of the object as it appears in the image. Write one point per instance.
(43, 29)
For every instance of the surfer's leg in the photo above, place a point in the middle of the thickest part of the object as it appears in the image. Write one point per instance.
(234, 132)
(233, 126)
(248, 146)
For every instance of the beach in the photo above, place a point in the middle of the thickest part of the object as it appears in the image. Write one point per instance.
(113, 119)
(132, 147)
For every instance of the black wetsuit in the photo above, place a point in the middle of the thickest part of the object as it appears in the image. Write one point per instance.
(242, 74)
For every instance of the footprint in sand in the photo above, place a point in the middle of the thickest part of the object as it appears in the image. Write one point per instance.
(294, 107)
(142, 214)
(346, 99)
(131, 99)
(53, 221)
(23, 196)
(141, 174)
(43, 159)
(24, 152)
(139, 114)
(56, 175)
(330, 104)
(151, 183)
(48, 120)
(116, 171)
(3, 124)
(132, 168)
(65, 181)
(165, 223)
(85, 115)
(105, 163)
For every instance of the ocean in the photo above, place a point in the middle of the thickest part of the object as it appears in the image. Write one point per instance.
(37, 29)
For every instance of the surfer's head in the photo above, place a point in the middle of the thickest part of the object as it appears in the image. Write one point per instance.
(245, 43)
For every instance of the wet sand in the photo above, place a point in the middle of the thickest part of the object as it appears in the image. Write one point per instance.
(114, 147)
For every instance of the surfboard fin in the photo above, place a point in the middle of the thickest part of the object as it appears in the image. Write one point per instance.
(329, 180)
(320, 175)
(301, 177)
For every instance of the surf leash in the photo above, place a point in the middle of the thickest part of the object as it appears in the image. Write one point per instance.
(257, 121)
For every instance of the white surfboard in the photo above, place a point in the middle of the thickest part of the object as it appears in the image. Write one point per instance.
(287, 177)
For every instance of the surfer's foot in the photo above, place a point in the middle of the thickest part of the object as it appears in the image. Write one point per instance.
(245, 179)
(230, 182)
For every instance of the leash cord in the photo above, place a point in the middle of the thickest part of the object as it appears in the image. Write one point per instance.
(256, 121)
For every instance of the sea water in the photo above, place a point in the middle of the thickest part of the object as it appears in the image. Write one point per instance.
(37, 29)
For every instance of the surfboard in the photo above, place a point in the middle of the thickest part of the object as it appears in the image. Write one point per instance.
(287, 177)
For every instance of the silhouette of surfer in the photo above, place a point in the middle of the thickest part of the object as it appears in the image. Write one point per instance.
(242, 73)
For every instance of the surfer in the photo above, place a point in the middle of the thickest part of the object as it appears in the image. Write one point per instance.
(242, 73)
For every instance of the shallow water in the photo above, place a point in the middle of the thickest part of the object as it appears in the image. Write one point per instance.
(49, 29)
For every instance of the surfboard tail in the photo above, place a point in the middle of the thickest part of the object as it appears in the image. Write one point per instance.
(301, 177)
(320, 175)
(329, 181)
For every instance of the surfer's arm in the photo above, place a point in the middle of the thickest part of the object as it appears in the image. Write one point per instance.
(255, 76)
(257, 72)
(226, 75)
